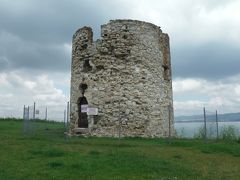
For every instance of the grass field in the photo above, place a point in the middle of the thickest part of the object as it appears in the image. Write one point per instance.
(48, 154)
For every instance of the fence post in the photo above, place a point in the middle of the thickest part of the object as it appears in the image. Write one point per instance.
(205, 124)
(119, 120)
(46, 114)
(169, 121)
(119, 127)
(67, 114)
(28, 114)
(27, 121)
(217, 123)
(23, 112)
(64, 120)
(24, 120)
(34, 106)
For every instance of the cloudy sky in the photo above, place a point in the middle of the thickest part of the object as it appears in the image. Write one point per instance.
(35, 49)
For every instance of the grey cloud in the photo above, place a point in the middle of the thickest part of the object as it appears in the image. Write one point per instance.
(3, 63)
(209, 61)
(56, 20)
(22, 54)
(213, 4)
(45, 58)
(32, 35)
(32, 32)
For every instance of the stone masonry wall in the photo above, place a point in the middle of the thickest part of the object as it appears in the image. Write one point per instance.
(128, 77)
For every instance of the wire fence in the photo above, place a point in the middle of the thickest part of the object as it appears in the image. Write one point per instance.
(45, 113)
(34, 114)
(209, 125)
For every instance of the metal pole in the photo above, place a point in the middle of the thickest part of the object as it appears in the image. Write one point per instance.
(67, 114)
(205, 124)
(23, 112)
(34, 106)
(169, 122)
(119, 121)
(217, 123)
(64, 119)
(28, 114)
(24, 120)
(46, 114)
(64, 116)
(119, 128)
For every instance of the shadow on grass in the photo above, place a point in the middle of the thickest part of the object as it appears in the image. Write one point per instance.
(55, 164)
(48, 152)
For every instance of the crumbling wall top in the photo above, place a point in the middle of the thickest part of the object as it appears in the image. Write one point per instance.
(130, 21)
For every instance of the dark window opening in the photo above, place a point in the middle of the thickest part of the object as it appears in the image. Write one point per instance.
(95, 119)
(104, 33)
(125, 36)
(84, 46)
(100, 67)
(86, 66)
(165, 72)
(111, 49)
(125, 28)
(83, 87)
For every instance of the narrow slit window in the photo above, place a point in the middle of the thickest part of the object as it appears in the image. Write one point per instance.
(86, 66)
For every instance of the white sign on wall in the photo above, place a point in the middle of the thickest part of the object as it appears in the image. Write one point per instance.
(84, 108)
(92, 111)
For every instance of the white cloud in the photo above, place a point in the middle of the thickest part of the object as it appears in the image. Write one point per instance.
(3, 79)
(184, 85)
(18, 89)
(30, 84)
(223, 95)
(68, 48)
(187, 22)
(194, 22)
(188, 107)
(237, 90)
(9, 95)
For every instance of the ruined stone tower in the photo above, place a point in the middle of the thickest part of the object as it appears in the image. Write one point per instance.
(126, 75)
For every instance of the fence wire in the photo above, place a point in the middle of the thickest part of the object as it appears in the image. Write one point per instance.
(34, 116)
(209, 125)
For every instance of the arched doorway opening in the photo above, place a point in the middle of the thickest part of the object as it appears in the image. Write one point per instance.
(82, 114)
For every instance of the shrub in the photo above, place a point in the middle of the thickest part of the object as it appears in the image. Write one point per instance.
(181, 134)
(228, 133)
(200, 134)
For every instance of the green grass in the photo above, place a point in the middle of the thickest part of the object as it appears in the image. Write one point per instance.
(47, 154)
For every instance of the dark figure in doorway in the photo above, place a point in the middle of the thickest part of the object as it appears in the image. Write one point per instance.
(83, 120)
